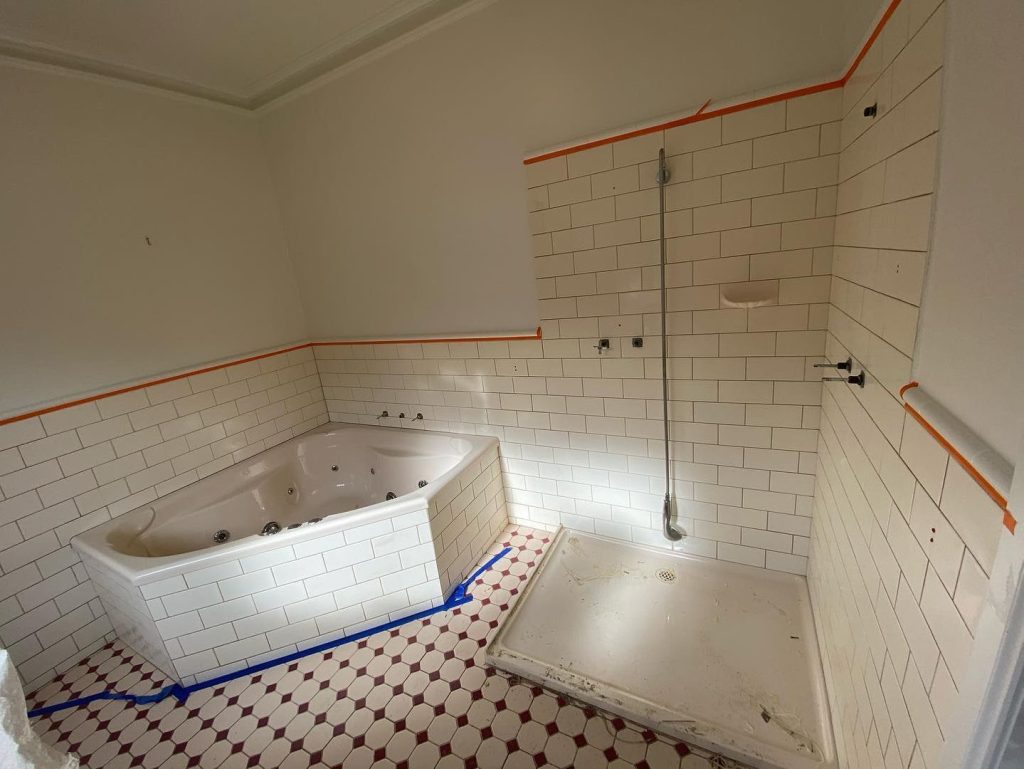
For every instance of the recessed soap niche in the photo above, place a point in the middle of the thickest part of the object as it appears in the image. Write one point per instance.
(763, 293)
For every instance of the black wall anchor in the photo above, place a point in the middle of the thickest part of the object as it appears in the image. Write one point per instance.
(857, 379)
(844, 365)
(871, 111)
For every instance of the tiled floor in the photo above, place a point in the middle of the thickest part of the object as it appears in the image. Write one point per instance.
(416, 697)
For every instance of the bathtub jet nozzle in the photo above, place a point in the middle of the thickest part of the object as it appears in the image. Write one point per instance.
(271, 527)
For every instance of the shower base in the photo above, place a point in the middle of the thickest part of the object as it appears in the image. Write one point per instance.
(719, 655)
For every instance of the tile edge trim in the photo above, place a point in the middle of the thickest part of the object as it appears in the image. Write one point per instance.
(918, 404)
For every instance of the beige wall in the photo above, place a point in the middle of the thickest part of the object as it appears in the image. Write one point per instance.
(401, 182)
(973, 310)
(85, 302)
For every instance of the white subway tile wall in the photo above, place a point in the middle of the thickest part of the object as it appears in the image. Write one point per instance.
(466, 517)
(819, 213)
(902, 539)
(67, 471)
(750, 213)
(215, 620)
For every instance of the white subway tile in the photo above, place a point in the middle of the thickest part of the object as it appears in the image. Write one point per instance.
(298, 569)
(193, 598)
(50, 447)
(21, 481)
(278, 596)
(247, 647)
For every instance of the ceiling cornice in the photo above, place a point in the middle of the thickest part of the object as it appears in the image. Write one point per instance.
(53, 57)
(267, 90)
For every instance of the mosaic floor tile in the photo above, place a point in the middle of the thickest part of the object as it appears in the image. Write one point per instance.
(416, 697)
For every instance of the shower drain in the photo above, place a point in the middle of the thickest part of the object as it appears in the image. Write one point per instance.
(666, 575)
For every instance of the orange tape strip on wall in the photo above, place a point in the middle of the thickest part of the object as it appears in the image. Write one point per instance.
(250, 359)
(133, 388)
(449, 340)
(700, 114)
(1008, 519)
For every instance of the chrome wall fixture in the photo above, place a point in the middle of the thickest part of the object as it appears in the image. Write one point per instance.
(670, 531)
(385, 415)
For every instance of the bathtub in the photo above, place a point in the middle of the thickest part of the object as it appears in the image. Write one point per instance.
(342, 528)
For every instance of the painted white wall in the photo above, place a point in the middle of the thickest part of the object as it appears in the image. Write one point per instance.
(90, 170)
(970, 353)
(401, 181)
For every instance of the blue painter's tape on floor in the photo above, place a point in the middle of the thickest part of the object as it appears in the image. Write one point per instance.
(460, 595)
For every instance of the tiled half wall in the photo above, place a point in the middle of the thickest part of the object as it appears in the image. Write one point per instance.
(751, 207)
(67, 471)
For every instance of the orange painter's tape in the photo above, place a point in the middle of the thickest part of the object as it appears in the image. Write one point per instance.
(700, 114)
(249, 359)
(1008, 519)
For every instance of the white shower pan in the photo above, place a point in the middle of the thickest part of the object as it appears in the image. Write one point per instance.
(718, 655)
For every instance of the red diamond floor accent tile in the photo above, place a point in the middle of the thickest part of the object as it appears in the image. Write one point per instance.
(416, 697)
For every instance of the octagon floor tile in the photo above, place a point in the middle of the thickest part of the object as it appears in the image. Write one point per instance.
(414, 697)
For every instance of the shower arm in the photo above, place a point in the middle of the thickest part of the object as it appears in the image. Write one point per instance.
(671, 532)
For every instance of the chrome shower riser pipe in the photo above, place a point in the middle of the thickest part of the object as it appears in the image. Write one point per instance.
(670, 531)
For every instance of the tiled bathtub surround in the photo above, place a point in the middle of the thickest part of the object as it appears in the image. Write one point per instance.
(750, 209)
(70, 470)
(903, 539)
(216, 619)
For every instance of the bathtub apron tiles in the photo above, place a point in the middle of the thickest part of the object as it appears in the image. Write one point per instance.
(463, 527)
(210, 620)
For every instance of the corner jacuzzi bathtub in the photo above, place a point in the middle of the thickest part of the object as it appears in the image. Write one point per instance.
(340, 529)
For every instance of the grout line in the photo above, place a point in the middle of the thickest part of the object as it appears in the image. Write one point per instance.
(903, 48)
(885, 113)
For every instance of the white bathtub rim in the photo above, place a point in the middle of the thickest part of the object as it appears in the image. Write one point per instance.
(141, 570)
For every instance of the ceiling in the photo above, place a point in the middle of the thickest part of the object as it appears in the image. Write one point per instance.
(240, 52)
(244, 53)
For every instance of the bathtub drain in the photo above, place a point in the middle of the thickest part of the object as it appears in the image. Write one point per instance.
(666, 575)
